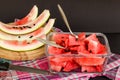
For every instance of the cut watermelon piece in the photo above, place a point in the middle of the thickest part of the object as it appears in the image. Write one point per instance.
(60, 38)
(43, 30)
(81, 36)
(92, 37)
(58, 59)
(57, 63)
(88, 69)
(96, 47)
(73, 41)
(55, 67)
(54, 50)
(82, 50)
(98, 68)
(91, 61)
(70, 66)
(28, 27)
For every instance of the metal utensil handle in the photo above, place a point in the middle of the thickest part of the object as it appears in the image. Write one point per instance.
(64, 18)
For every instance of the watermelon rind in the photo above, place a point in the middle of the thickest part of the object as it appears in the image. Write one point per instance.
(31, 46)
(20, 47)
(32, 15)
(35, 24)
(46, 29)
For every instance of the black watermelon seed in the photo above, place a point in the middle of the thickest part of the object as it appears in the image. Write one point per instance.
(30, 36)
(28, 27)
(13, 27)
(19, 36)
(24, 26)
(16, 27)
(28, 43)
(21, 28)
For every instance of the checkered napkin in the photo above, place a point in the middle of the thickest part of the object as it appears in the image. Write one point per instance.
(112, 71)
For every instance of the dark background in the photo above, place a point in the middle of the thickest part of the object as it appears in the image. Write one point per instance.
(83, 15)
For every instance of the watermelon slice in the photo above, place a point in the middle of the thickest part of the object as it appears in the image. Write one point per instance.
(25, 42)
(32, 15)
(29, 17)
(21, 45)
(28, 27)
(43, 30)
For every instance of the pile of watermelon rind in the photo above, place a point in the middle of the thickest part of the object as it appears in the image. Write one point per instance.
(89, 53)
(18, 39)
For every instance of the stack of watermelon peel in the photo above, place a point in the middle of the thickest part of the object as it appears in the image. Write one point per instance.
(88, 54)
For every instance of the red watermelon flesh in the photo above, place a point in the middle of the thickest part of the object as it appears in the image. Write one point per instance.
(92, 68)
(57, 63)
(59, 38)
(81, 36)
(99, 68)
(55, 67)
(70, 65)
(92, 37)
(73, 41)
(89, 61)
(84, 45)
(54, 50)
(88, 69)
(82, 49)
(22, 21)
(60, 59)
(94, 45)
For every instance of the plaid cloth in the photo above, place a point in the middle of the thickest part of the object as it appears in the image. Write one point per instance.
(112, 71)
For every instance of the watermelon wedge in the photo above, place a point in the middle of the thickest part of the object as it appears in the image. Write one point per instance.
(21, 45)
(29, 17)
(28, 41)
(43, 30)
(28, 27)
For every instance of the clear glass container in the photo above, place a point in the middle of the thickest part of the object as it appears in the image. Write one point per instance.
(81, 62)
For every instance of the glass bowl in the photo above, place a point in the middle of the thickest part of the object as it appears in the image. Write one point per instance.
(75, 57)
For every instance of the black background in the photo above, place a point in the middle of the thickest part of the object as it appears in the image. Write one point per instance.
(83, 15)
